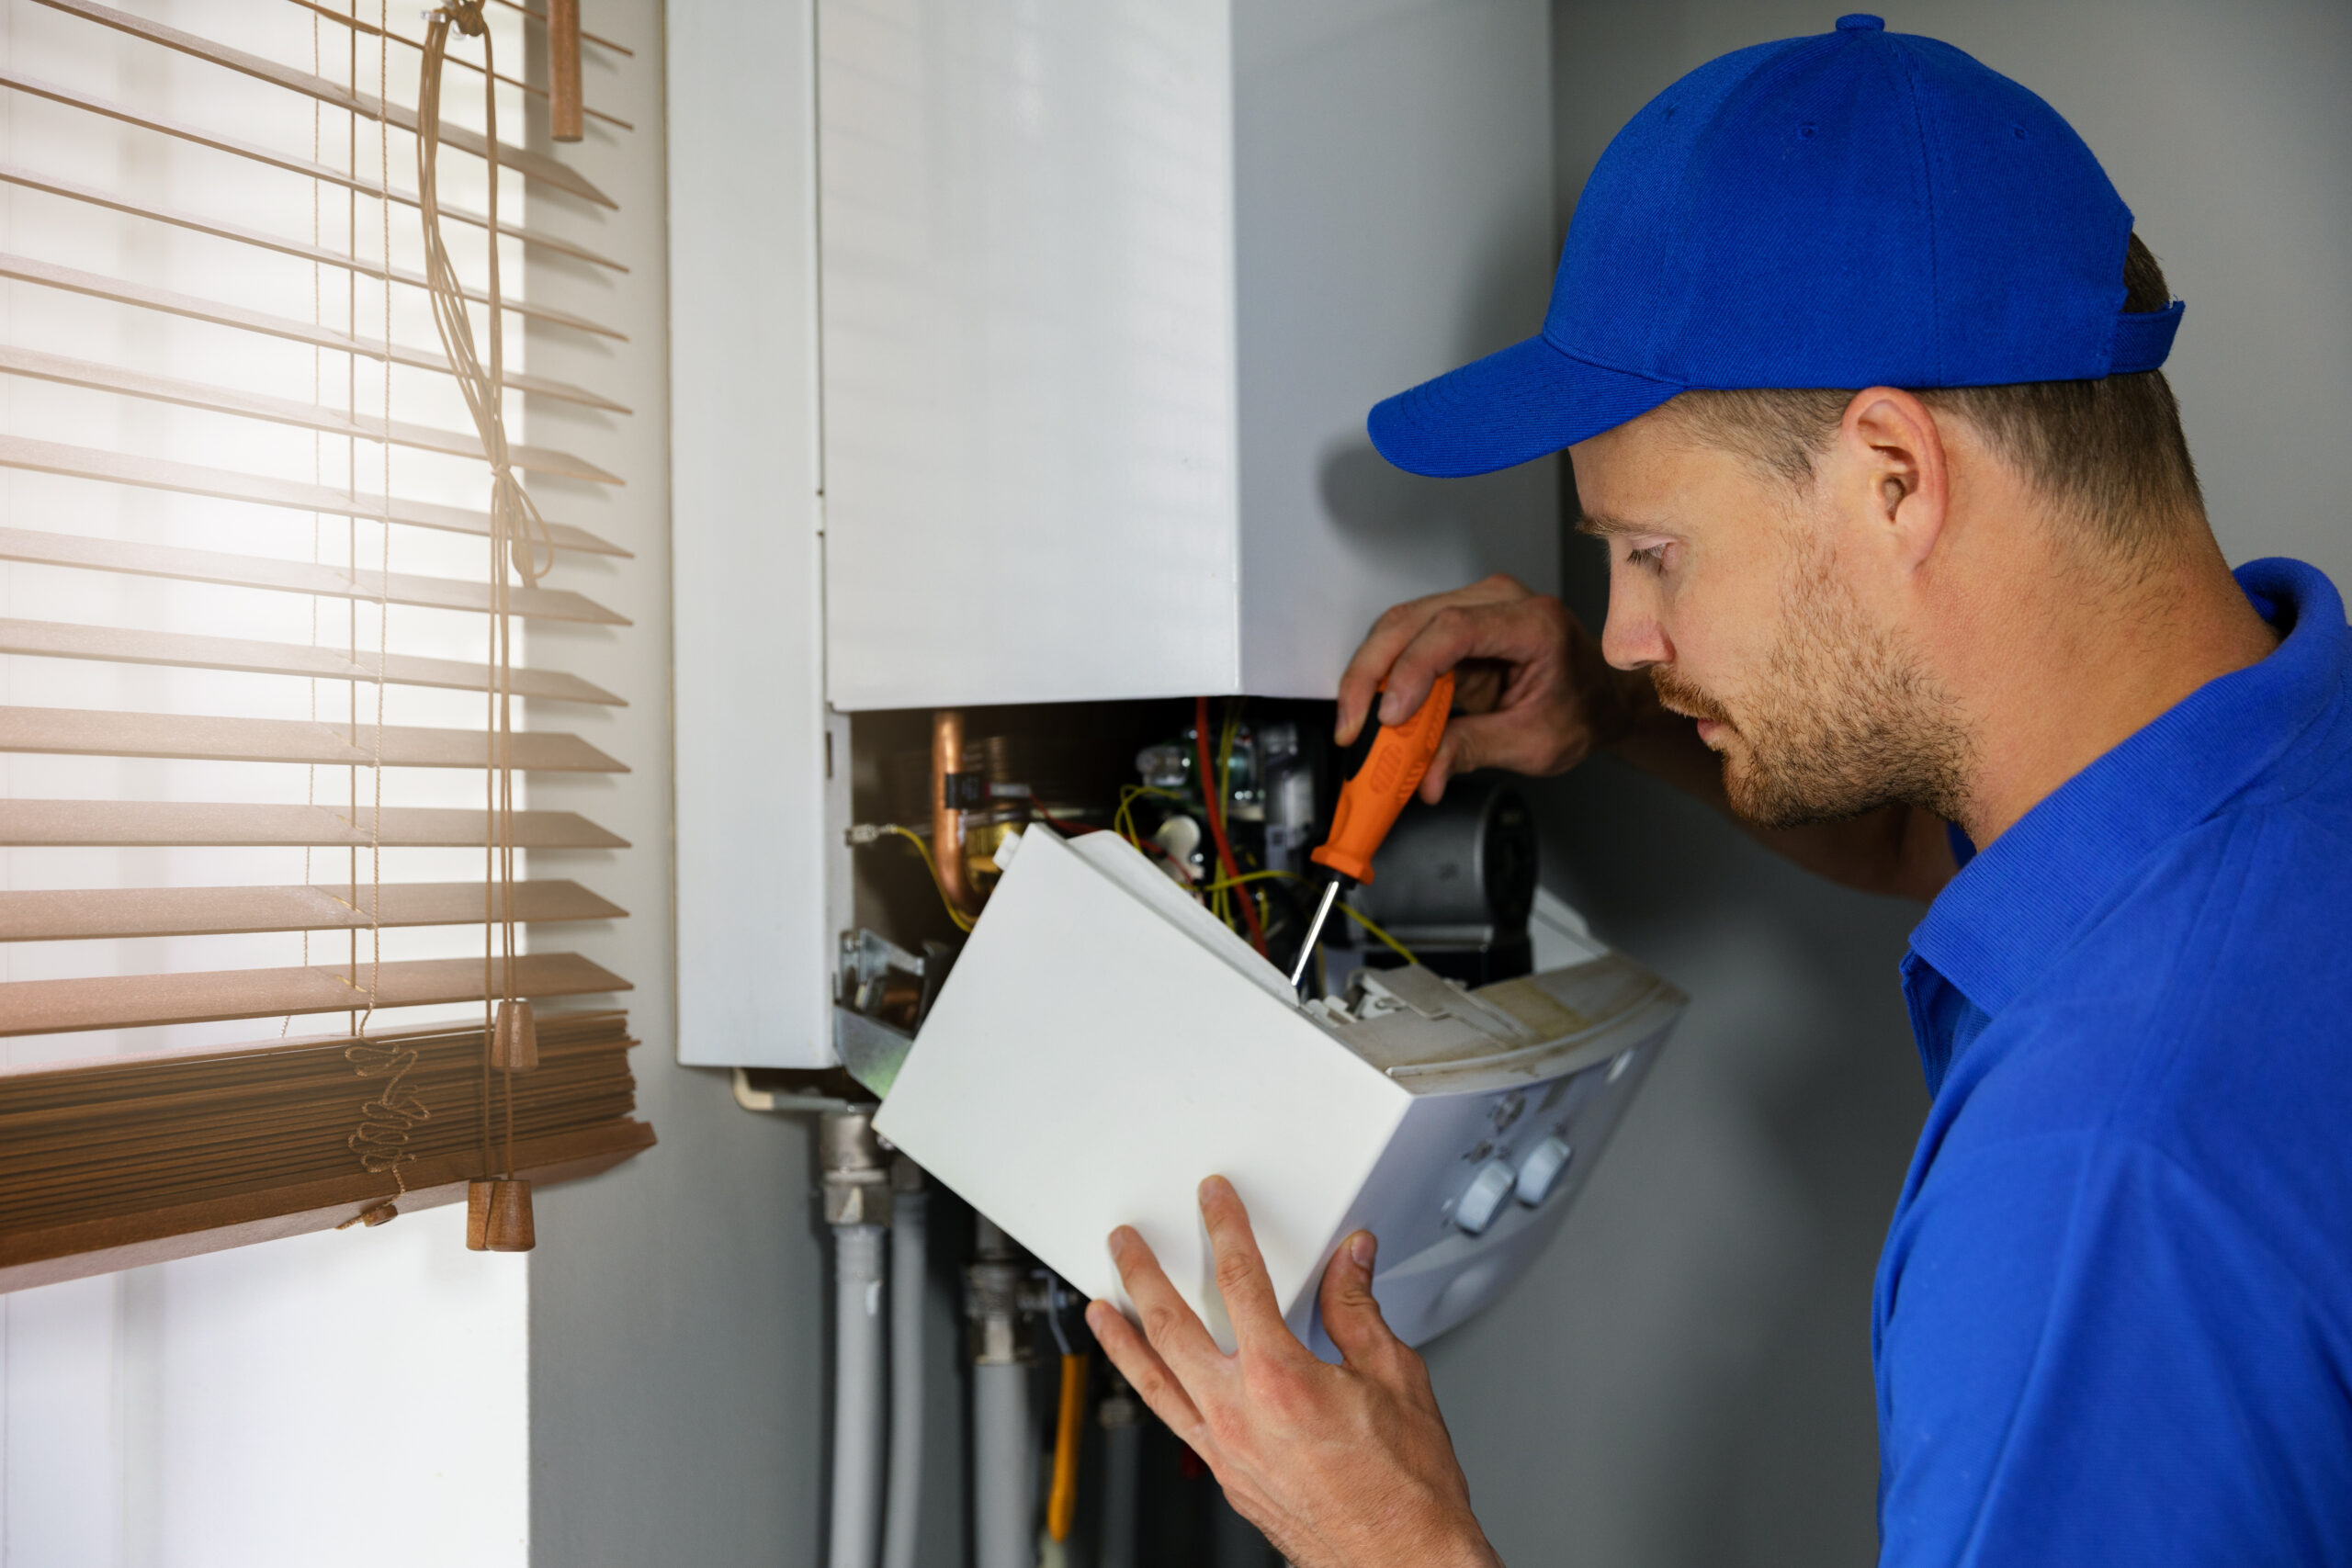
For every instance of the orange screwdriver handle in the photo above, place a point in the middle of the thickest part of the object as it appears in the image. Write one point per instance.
(1393, 769)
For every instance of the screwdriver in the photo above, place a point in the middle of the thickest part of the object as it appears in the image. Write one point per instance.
(1392, 767)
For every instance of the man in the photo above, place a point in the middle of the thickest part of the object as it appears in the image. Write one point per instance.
(1855, 357)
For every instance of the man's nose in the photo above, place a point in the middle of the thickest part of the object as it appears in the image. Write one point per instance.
(1632, 637)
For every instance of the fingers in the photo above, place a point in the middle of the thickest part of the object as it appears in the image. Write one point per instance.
(1442, 767)
(1479, 684)
(1141, 1366)
(1390, 636)
(1241, 1277)
(1517, 627)
(1360, 681)
(1444, 640)
(1169, 1321)
(1537, 739)
(1350, 1317)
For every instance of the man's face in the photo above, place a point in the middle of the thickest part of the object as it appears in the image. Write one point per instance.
(1753, 602)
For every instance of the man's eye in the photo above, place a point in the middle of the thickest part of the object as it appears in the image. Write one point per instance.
(1651, 559)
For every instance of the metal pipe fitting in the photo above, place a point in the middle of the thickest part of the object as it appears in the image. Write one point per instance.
(856, 1169)
(1004, 1435)
(994, 1287)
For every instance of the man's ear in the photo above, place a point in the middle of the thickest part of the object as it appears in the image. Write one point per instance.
(1893, 469)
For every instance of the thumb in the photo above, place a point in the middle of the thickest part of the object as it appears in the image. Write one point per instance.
(1350, 1314)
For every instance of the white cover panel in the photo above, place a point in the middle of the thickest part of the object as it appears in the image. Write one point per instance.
(1115, 858)
(1028, 368)
(1087, 1064)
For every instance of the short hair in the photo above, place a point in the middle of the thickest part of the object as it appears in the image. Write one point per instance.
(2109, 452)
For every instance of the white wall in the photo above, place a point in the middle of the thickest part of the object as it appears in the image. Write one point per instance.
(269, 1407)
(1684, 1379)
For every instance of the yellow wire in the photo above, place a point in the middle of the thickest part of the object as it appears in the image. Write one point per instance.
(1254, 876)
(1399, 948)
(963, 922)
(1123, 821)
(1227, 731)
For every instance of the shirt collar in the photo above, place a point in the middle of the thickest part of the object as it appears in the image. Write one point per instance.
(2018, 905)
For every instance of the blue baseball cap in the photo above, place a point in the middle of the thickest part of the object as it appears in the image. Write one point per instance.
(1856, 208)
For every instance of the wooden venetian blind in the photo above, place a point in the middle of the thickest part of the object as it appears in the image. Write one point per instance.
(248, 597)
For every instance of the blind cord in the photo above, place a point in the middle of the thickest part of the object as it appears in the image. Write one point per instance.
(387, 1121)
(519, 537)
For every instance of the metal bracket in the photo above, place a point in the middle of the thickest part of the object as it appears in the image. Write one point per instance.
(869, 1049)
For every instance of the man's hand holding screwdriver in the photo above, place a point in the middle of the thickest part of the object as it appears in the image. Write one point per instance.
(1531, 691)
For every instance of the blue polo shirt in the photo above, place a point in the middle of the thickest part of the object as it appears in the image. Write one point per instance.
(2113, 1321)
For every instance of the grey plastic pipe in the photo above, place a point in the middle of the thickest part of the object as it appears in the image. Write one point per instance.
(1004, 1468)
(858, 1411)
(1122, 1475)
(902, 1521)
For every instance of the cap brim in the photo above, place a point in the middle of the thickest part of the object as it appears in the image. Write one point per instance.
(1508, 408)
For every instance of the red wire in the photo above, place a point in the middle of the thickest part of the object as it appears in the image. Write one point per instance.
(1078, 829)
(1215, 809)
(1068, 829)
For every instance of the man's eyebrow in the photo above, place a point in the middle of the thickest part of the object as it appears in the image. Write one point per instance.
(1600, 526)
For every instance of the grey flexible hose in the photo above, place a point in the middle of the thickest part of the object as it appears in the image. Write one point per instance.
(1122, 1476)
(858, 1370)
(902, 1521)
(1004, 1468)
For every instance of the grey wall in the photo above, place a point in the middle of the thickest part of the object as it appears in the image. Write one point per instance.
(1686, 1377)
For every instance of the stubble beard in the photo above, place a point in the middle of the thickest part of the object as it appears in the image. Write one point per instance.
(1845, 719)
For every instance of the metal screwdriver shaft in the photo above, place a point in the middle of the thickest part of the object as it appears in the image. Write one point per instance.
(1314, 932)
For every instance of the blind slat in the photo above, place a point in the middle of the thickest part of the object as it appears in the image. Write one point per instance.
(172, 824)
(267, 572)
(223, 484)
(361, 183)
(531, 165)
(370, 29)
(139, 1001)
(322, 256)
(148, 1075)
(39, 367)
(90, 732)
(24, 269)
(586, 37)
(118, 645)
(97, 913)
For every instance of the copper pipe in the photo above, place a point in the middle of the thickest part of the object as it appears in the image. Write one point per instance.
(947, 821)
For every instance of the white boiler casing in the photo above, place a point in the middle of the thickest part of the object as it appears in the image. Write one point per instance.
(1020, 352)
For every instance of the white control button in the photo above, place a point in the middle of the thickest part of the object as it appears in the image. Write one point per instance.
(1489, 1190)
(1539, 1171)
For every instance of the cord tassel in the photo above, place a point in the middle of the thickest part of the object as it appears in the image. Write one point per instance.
(514, 1040)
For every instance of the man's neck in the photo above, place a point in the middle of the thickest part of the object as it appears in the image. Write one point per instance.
(2105, 655)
